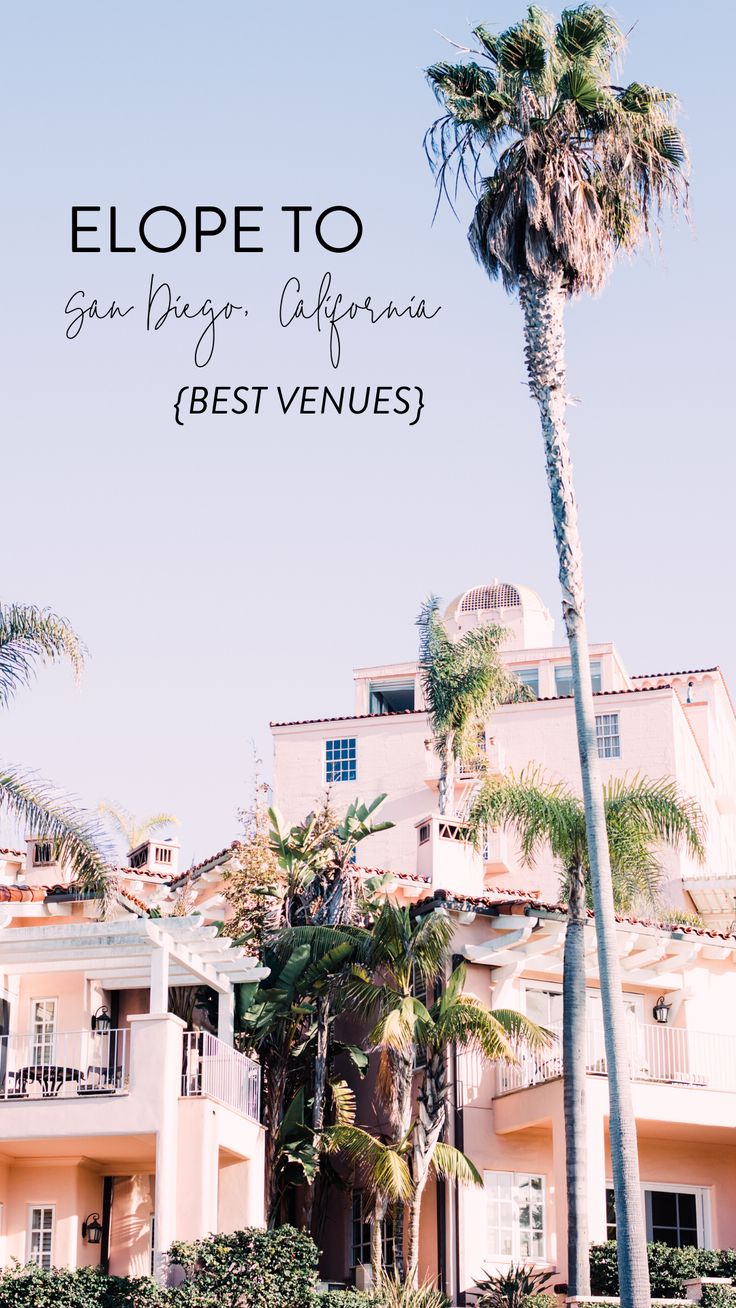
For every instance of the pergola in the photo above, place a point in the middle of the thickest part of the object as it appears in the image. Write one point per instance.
(140, 953)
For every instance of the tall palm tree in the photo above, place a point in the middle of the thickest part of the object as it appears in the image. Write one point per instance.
(640, 816)
(463, 682)
(406, 948)
(580, 168)
(134, 830)
(29, 637)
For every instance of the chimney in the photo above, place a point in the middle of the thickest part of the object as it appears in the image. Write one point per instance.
(42, 867)
(153, 857)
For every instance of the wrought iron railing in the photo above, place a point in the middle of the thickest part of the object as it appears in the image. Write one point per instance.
(63, 1065)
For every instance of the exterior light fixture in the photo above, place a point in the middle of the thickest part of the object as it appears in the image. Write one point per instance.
(92, 1229)
(661, 1010)
(101, 1020)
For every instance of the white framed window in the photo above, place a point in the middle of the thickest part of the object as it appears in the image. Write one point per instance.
(528, 677)
(391, 696)
(43, 1028)
(360, 1246)
(40, 1236)
(542, 1002)
(514, 1215)
(341, 759)
(608, 735)
(563, 677)
(677, 1215)
(41, 853)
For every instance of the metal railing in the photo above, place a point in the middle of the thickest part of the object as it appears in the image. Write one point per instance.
(63, 1065)
(210, 1067)
(665, 1055)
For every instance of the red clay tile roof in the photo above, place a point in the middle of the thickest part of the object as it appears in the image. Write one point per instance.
(385, 872)
(346, 717)
(519, 898)
(128, 872)
(684, 672)
(212, 861)
(541, 699)
(125, 894)
(14, 853)
(38, 894)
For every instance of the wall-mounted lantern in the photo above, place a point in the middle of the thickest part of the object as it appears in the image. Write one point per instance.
(661, 1010)
(101, 1020)
(92, 1229)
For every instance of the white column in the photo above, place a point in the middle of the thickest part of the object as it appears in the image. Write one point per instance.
(166, 1193)
(226, 1015)
(159, 993)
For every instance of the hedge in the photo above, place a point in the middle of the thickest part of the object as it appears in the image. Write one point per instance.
(245, 1269)
(668, 1269)
(29, 1287)
(362, 1299)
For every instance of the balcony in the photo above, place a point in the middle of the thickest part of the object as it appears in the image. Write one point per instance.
(215, 1069)
(661, 1055)
(84, 1064)
(51, 1066)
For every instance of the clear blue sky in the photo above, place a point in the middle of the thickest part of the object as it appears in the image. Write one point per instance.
(234, 571)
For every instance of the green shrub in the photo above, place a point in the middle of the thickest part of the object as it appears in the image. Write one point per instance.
(247, 1269)
(719, 1296)
(668, 1268)
(29, 1287)
(513, 1288)
(347, 1299)
(390, 1293)
(540, 1300)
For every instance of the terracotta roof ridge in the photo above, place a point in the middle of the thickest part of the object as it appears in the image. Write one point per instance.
(206, 862)
(682, 672)
(541, 699)
(391, 872)
(345, 717)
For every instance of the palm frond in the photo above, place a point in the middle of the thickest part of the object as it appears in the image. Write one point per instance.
(380, 1169)
(30, 636)
(49, 815)
(452, 1165)
(565, 166)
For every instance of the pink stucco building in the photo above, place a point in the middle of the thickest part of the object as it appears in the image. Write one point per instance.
(120, 1129)
(111, 1110)
(510, 930)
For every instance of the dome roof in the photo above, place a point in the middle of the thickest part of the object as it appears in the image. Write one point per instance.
(493, 597)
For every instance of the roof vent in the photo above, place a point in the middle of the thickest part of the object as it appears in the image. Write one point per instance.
(498, 596)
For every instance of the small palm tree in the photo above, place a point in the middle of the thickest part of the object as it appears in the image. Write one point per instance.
(405, 949)
(579, 168)
(641, 815)
(463, 681)
(134, 830)
(30, 636)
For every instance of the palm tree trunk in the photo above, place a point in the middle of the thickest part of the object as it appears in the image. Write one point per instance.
(412, 1244)
(446, 789)
(320, 1063)
(379, 1212)
(320, 1093)
(574, 1069)
(543, 308)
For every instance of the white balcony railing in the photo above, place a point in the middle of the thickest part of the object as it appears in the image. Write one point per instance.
(667, 1055)
(213, 1068)
(63, 1065)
